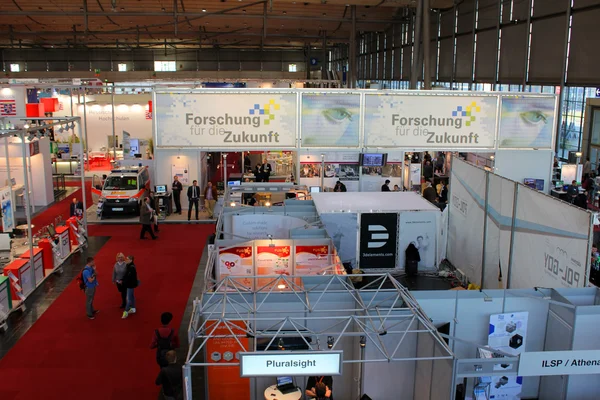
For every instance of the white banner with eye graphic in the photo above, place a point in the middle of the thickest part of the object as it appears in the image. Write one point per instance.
(430, 120)
(218, 120)
(330, 120)
(526, 122)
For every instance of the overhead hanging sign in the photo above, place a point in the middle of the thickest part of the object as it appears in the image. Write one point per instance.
(426, 121)
(232, 120)
(283, 363)
(542, 363)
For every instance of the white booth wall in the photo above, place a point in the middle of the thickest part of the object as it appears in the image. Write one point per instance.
(40, 179)
(520, 164)
(166, 159)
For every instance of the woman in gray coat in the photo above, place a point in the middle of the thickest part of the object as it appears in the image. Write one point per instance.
(146, 219)
(118, 275)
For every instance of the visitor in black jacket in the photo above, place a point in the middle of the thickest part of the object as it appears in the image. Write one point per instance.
(412, 259)
(130, 282)
(171, 378)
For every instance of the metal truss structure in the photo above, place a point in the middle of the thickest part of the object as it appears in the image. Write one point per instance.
(382, 307)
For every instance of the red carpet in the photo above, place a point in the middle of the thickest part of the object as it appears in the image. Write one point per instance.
(66, 356)
(62, 207)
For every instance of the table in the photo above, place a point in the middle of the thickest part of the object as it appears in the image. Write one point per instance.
(272, 393)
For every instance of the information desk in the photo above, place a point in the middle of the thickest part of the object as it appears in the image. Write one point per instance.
(20, 269)
(272, 393)
(38, 263)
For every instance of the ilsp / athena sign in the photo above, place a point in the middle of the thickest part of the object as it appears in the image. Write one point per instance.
(577, 362)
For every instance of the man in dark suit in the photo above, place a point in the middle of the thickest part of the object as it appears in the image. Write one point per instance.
(76, 208)
(177, 188)
(146, 219)
(265, 171)
(193, 195)
(386, 186)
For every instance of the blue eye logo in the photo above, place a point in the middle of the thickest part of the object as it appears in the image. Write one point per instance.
(337, 115)
(534, 117)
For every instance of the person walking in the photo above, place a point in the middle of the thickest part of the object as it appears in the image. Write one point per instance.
(91, 282)
(210, 199)
(176, 188)
(170, 378)
(146, 219)
(130, 282)
(118, 275)
(165, 339)
(154, 218)
(193, 195)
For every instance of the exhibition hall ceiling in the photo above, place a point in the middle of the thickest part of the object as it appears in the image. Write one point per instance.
(184, 23)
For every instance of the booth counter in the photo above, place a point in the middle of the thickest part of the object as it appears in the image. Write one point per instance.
(22, 280)
(64, 243)
(38, 263)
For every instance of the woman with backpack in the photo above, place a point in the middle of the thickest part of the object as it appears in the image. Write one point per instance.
(130, 282)
(164, 339)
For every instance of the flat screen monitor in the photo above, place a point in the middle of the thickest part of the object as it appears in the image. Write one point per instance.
(51, 230)
(160, 189)
(373, 159)
(529, 182)
(234, 183)
(284, 380)
(315, 189)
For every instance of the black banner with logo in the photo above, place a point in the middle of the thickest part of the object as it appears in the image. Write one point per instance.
(378, 236)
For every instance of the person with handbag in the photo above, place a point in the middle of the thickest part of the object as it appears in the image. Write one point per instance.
(130, 282)
(117, 278)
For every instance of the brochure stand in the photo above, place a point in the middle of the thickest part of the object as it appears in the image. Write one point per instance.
(64, 244)
(21, 276)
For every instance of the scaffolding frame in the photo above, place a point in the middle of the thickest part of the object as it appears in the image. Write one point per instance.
(382, 307)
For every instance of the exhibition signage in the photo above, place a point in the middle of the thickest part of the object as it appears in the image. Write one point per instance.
(260, 226)
(542, 363)
(330, 120)
(378, 234)
(426, 121)
(527, 122)
(233, 120)
(222, 348)
(311, 259)
(236, 261)
(8, 220)
(419, 228)
(283, 363)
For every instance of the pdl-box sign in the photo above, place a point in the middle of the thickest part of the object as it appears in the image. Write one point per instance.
(290, 363)
(541, 363)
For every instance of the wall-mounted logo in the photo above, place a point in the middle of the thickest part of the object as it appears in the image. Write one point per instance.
(468, 113)
(268, 110)
(378, 236)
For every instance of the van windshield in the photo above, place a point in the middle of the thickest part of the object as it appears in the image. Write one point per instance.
(121, 183)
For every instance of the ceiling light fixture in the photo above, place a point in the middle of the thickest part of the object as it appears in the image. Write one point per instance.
(204, 10)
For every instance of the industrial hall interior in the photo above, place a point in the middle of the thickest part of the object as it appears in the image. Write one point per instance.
(299, 200)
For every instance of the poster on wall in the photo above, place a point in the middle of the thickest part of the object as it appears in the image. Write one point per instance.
(418, 228)
(311, 259)
(236, 261)
(273, 260)
(347, 172)
(430, 121)
(126, 145)
(258, 226)
(8, 218)
(341, 228)
(181, 173)
(224, 381)
(507, 333)
(378, 237)
(330, 120)
(232, 120)
(527, 122)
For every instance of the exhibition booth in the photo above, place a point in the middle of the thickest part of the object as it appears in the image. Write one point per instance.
(517, 237)
(28, 257)
(431, 344)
